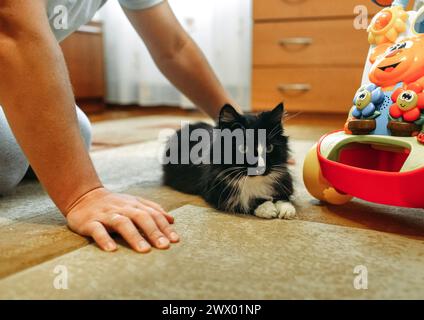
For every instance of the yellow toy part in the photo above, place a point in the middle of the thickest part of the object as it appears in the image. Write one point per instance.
(387, 25)
(317, 185)
(407, 100)
(363, 98)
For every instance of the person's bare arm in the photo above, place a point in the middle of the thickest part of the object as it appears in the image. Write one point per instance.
(179, 58)
(37, 98)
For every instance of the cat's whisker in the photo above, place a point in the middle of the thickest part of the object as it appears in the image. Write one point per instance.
(290, 117)
(270, 132)
(282, 170)
(234, 190)
(286, 189)
(229, 170)
(230, 183)
(278, 132)
(281, 185)
(280, 167)
(274, 131)
(241, 190)
(214, 185)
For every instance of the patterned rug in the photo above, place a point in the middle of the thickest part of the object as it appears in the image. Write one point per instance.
(221, 255)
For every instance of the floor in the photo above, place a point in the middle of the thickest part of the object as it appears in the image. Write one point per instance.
(221, 256)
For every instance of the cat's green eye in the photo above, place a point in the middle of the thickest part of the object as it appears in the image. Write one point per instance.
(269, 148)
(242, 148)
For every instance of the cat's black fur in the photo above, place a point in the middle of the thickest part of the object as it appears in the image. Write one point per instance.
(223, 185)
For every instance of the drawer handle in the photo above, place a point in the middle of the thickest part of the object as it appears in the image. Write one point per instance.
(295, 87)
(296, 41)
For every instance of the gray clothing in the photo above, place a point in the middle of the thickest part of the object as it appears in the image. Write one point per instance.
(66, 16)
(13, 163)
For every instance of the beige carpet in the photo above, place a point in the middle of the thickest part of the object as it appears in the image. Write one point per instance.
(233, 257)
(115, 133)
(221, 256)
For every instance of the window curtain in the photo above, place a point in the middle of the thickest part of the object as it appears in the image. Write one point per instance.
(222, 29)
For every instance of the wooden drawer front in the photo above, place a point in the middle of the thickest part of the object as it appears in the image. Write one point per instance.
(83, 52)
(331, 89)
(325, 42)
(279, 9)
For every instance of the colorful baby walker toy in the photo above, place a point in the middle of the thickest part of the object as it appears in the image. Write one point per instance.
(379, 156)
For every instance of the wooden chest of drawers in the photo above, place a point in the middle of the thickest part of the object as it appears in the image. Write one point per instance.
(308, 54)
(84, 55)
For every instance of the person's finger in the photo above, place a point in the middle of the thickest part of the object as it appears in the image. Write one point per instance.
(156, 206)
(150, 229)
(151, 210)
(165, 227)
(98, 232)
(168, 217)
(125, 227)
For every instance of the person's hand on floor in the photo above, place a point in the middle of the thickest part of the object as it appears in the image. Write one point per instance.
(100, 211)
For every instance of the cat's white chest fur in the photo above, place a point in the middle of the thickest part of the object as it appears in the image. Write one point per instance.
(262, 187)
(253, 187)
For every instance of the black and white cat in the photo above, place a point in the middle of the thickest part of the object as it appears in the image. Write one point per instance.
(229, 187)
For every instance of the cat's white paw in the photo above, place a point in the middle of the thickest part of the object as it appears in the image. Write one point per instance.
(266, 210)
(285, 210)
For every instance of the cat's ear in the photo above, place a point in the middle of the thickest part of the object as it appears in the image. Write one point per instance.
(277, 114)
(228, 115)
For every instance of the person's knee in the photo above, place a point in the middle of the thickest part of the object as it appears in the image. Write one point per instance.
(85, 128)
(11, 176)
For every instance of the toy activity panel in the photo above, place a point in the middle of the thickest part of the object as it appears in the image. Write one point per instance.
(379, 154)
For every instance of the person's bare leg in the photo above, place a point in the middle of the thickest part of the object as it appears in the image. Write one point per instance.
(86, 133)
